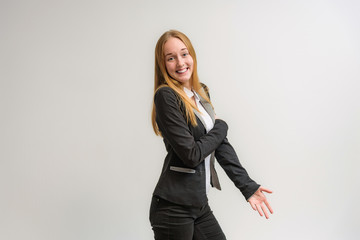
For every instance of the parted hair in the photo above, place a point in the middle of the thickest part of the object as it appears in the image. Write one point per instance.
(162, 78)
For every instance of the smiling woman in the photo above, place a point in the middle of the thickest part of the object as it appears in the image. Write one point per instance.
(184, 116)
(178, 61)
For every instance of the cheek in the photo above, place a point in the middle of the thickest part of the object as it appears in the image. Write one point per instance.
(191, 62)
(168, 67)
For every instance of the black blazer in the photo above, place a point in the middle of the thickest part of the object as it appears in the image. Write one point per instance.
(182, 179)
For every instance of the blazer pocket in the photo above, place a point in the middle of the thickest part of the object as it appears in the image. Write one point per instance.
(183, 170)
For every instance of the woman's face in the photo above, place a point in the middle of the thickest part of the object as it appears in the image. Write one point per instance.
(178, 62)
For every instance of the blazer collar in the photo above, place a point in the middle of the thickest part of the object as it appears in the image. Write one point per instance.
(207, 106)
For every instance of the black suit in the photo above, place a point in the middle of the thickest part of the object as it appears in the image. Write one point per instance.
(182, 179)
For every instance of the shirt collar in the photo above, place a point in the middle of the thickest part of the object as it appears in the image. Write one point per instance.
(191, 93)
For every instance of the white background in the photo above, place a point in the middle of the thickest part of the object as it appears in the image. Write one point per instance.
(79, 160)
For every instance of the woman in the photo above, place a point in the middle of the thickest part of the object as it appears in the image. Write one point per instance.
(183, 115)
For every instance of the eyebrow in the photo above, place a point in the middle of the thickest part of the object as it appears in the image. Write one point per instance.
(172, 53)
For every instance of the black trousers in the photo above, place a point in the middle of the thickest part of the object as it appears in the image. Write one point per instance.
(172, 221)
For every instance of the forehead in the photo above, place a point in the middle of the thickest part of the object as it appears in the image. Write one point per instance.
(173, 45)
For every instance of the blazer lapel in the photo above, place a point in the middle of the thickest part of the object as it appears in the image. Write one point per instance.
(199, 116)
(214, 177)
(207, 106)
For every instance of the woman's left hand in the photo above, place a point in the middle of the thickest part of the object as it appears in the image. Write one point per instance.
(257, 201)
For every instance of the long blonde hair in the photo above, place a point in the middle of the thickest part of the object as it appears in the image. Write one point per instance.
(162, 78)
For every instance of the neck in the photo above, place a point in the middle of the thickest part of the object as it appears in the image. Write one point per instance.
(187, 85)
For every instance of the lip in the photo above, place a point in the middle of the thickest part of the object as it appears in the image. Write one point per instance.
(182, 70)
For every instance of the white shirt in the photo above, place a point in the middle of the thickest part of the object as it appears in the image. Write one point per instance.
(208, 126)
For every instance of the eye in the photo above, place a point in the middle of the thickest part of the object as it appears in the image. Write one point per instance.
(185, 54)
(170, 58)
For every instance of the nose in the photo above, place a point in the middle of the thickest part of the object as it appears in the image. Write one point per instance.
(180, 62)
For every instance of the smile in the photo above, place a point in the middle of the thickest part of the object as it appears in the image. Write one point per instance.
(182, 70)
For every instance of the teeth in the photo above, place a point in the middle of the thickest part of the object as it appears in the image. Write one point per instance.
(182, 71)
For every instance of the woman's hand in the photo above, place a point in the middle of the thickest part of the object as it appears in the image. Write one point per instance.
(257, 201)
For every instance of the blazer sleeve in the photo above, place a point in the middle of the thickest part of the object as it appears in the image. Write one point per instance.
(174, 128)
(228, 160)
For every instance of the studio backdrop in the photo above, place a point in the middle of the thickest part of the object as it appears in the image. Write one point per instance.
(79, 159)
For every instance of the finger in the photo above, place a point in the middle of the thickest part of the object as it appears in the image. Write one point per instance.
(268, 206)
(264, 211)
(262, 189)
(258, 208)
(253, 206)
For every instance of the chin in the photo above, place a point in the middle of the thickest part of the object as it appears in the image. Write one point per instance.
(183, 81)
